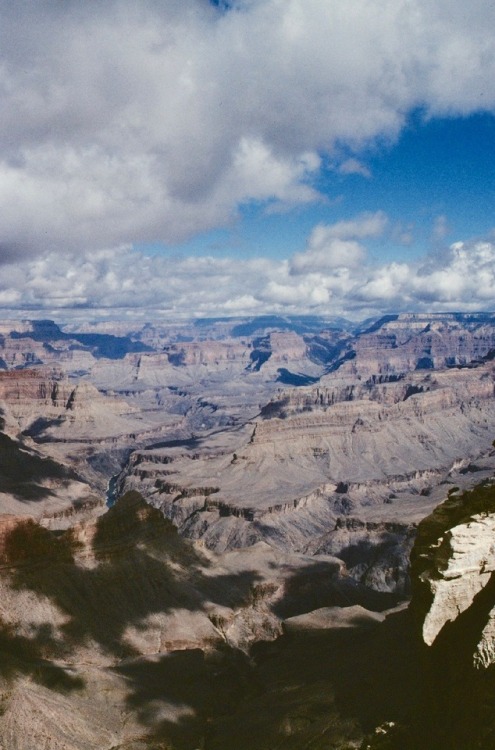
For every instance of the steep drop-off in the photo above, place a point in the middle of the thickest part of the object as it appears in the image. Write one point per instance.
(453, 566)
(118, 633)
(347, 470)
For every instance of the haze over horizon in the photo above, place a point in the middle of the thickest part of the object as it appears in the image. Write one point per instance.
(192, 157)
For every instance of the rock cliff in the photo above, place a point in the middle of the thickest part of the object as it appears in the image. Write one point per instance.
(406, 342)
(333, 469)
(453, 564)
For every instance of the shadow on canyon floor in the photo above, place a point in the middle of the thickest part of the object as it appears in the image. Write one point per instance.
(139, 568)
(142, 567)
(323, 690)
(29, 655)
(22, 471)
(320, 585)
(304, 691)
(201, 688)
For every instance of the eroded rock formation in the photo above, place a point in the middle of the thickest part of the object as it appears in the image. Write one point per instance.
(122, 614)
(453, 602)
(296, 459)
(348, 470)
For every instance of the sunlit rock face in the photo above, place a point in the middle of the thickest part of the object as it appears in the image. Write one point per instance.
(463, 565)
(30, 394)
(347, 470)
(406, 342)
(453, 564)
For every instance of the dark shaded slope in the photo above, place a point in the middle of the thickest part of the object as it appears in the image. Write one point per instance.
(325, 690)
(22, 471)
(100, 344)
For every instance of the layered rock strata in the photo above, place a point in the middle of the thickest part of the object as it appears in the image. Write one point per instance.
(348, 470)
(118, 633)
(402, 343)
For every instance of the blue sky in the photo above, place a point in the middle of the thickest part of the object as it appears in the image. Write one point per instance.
(436, 183)
(191, 157)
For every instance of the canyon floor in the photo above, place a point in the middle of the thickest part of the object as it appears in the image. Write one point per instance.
(206, 527)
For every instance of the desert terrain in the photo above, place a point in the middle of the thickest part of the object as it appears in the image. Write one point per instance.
(206, 530)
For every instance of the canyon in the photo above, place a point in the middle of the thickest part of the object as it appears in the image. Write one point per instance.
(206, 529)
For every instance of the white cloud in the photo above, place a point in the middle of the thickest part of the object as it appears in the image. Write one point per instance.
(328, 253)
(365, 225)
(99, 282)
(386, 286)
(333, 246)
(308, 293)
(125, 123)
(353, 166)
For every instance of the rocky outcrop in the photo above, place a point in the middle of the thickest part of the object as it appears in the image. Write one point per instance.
(333, 618)
(45, 388)
(207, 353)
(41, 400)
(453, 565)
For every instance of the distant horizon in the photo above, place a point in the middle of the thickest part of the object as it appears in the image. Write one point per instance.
(270, 320)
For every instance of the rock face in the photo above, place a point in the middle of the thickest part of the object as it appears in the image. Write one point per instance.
(295, 458)
(454, 559)
(46, 404)
(453, 566)
(401, 343)
(347, 470)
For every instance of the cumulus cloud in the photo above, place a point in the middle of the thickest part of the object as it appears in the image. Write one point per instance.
(334, 246)
(131, 123)
(327, 253)
(105, 281)
(462, 278)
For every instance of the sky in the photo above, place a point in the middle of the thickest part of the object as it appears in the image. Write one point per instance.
(175, 158)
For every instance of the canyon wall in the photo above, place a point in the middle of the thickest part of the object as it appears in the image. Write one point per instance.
(453, 564)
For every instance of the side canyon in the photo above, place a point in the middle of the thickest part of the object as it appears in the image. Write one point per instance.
(206, 531)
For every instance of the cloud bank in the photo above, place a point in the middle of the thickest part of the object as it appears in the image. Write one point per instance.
(106, 282)
(126, 122)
